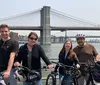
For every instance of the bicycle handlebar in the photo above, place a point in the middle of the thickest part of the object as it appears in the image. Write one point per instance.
(62, 65)
(27, 69)
(72, 70)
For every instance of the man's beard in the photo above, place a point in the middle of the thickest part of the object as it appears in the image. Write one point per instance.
(82, 45)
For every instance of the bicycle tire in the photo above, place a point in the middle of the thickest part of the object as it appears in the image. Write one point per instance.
(52, 79)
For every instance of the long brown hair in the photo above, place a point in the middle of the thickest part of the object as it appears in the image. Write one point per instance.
(70, 53)
(33, 33)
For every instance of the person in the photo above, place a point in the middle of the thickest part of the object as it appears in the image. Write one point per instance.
(8, 50)
(30, 54)
(67, 57)
(86, 54)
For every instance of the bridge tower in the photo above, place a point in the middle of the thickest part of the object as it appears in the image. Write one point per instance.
(45, 32)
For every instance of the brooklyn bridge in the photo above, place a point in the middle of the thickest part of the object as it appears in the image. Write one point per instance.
(46, 20)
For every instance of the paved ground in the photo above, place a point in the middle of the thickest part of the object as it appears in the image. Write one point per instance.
(20, 83)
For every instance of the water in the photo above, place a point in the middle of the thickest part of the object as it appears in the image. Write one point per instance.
(52, 51)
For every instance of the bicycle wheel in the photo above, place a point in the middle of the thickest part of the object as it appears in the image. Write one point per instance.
(50, 80)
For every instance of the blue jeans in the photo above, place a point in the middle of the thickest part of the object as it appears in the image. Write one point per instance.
(67, 79)
(11, 79)
(36, 83)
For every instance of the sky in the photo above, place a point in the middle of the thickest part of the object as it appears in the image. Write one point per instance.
(85, 9)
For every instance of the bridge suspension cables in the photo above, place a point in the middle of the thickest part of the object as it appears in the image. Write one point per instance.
(22, 14)
(66, 16)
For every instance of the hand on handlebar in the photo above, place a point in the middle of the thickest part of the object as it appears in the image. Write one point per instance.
(50, 66)
(6, 74)
(17, 64)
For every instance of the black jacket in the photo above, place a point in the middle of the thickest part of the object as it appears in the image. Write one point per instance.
(37, 54)
(67, 61)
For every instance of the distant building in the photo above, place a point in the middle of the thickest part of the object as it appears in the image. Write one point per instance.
(14, 36)
(22, 38)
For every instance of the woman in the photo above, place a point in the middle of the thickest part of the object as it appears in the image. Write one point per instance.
(67, 57)
(30, 54)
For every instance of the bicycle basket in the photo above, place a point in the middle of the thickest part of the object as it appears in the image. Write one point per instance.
(75, 73)
(31, 77)
(97, 65)
(96, 72)
(96, 75)
(19, 75)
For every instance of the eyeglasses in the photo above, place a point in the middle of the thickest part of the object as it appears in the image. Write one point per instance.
(33, 38)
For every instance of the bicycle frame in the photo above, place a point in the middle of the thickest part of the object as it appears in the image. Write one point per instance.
(54, 78)
(54, 73)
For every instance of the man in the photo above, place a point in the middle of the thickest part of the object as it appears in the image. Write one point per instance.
(8, 49)
(86, 53)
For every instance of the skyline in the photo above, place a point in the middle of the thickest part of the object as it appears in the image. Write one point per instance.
(59, 33)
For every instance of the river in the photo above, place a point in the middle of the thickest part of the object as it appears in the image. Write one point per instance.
(53, 50)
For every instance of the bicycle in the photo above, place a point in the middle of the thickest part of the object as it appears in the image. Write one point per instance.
(24, 74)
(51, 78)
(93, 73)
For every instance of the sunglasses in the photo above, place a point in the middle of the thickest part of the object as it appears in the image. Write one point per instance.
(33, 38)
